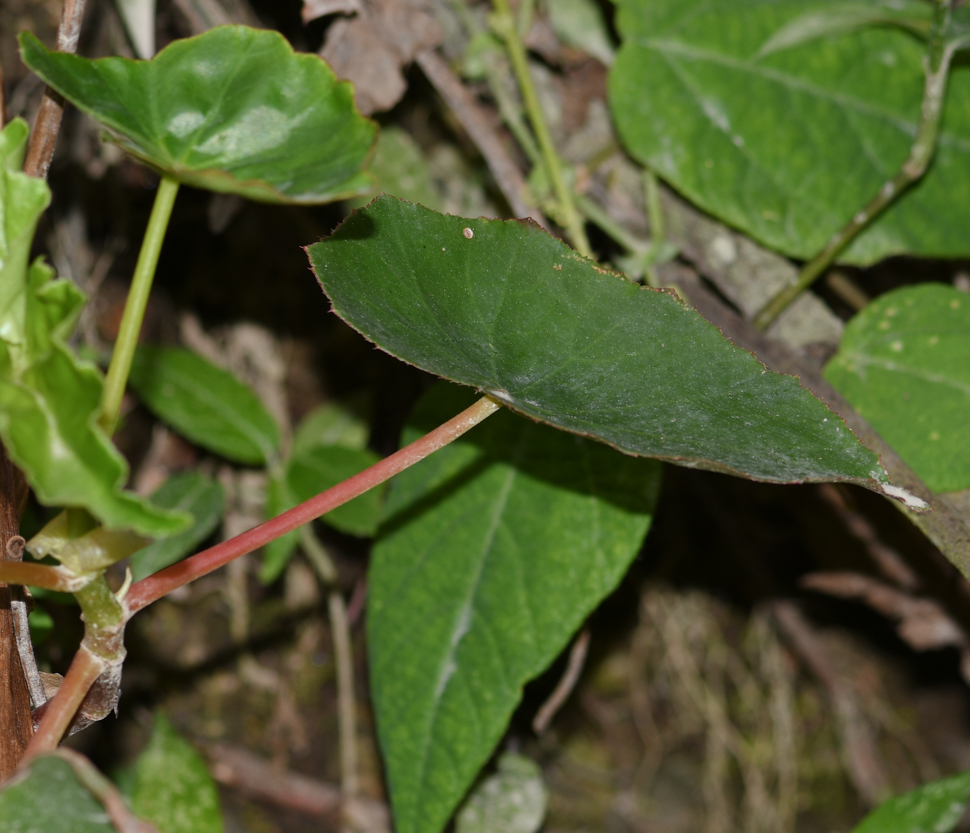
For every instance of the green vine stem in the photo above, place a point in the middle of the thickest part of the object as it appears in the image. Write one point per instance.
(938, 57)
(505, 26)
(141, 286)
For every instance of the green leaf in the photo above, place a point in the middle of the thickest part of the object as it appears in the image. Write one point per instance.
(186, 492)
(513, 800)
(399, 168)
(205, 403)
(580, 23)
(904, 364)
(320, 468)
(49, 398)
(516, 313)
(789, 146)
(56, 794)
(933, 808)
(331, 424)
(494, 551)
(234, 110)
(74, 539)
(172, 787)
(316, 469)
(847, 18)
(278, 552)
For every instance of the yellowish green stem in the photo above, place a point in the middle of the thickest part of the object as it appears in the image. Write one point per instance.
(134, 314)
(505, 26)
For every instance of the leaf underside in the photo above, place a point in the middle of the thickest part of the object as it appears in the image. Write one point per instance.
(234, 109)
(517, 314)
(493, 551)
(788, 146)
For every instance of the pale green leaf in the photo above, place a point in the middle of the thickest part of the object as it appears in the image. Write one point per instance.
(513, 800)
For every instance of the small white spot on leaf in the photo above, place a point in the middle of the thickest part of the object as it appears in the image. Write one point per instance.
(910, 500)
(468, 233)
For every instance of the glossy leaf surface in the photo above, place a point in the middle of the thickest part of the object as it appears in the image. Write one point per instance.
(937, 807)
(788, 145)
(171, 785)
(205, 404)
(506, 308)
(233, 109)
(190, 492)
(49, 398)
(904, 364)
(493, 552)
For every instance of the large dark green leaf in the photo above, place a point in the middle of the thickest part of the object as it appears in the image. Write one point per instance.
(49, 398)
(494, 551)
(935, 807)
(789, 145)
(508, 309)
(204, 403)
(190, 492)
(234, 109)
(904, 364)
(171, 786)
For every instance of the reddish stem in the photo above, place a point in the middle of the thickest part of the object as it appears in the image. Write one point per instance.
(84, 671)
(151, 589)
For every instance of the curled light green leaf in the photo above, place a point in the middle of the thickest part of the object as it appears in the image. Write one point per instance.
(88, 552)
(234, 109)
(49, 398)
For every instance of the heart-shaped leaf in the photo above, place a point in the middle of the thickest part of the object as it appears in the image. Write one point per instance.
(494, 551)
(234, 109)
(904, 364)
(508, 309)
(788, 145)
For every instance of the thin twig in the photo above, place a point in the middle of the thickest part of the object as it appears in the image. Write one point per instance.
(938, 57)
(468, 112)
(565, 686)
(572, 222)
(343, 654)
(43, 137)
(151, 589)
